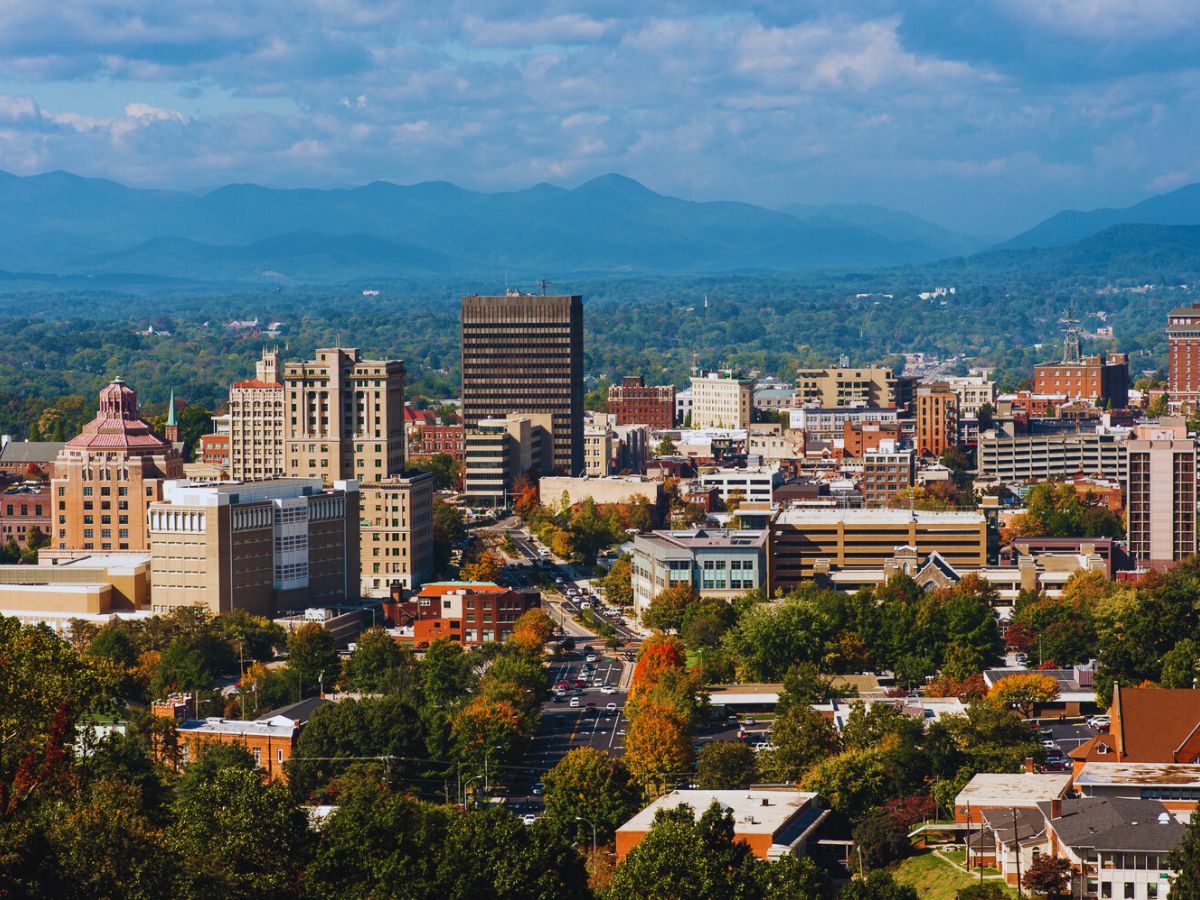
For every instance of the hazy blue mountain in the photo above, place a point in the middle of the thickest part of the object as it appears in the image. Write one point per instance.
(63, 223)
(892, 224)
(1179, 207)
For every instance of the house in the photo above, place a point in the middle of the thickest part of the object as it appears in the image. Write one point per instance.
(993, 790)
(773, 821)
(1149, 725)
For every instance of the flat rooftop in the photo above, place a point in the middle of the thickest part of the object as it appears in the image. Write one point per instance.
(1121, 774)
(755, 811)
(278, 726)
(1024, 788)
(825, 516)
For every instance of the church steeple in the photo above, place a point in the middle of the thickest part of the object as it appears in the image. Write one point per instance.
(171, 429)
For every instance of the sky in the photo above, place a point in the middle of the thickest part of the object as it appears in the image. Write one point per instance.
(984, 115)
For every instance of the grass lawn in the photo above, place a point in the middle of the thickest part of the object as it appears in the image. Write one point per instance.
(935, 879)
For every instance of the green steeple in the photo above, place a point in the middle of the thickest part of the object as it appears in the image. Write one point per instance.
(171, 410)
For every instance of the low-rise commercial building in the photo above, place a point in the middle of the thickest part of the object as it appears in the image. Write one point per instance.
(1024, 790)
(602, 491)
(829, 423)
(886, 472)
(1047, 457)
(802, 540)
(754, 484)
(259, 546)
(90, 588)
(450, 440)
(712, 562)
(469, 613)
(633, 402)
(873, 386)
(24, 510)
(721, 400)
(774, 822)
(1102, 379)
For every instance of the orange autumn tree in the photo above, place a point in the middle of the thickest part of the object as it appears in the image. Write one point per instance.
(486, 568)
(658, 744)
(531, 631)
(659, 653)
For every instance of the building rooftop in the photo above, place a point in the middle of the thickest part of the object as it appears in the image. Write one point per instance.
(277, 726)
(755, 811)
(818, 516)
(182, 492)
(299, 713)
(441, 588)
(1115, 823)
(1136, 774)
(31, 451)
(1022, 789)
(708, 537)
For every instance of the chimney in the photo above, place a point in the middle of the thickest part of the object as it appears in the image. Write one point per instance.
(766, 802)
(1029, 765)
(1056, 808)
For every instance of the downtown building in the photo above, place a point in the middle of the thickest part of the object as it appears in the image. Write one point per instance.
(344, 417)
(721, 400)
(833, 388)
(106, 478)
(396, 533)
(257, 423)
(633, 402)
(263, 546)
(1162, 497)
(522, 354)
(1183, 349)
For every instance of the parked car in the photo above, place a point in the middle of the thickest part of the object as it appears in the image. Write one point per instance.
(538, 789)
(528, 819)
(1100, 723)
(574, 703)
(612, 707)
(591, 657)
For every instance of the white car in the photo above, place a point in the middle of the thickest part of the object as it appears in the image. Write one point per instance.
(612, 707)
(529, 818)
(574, 704)
(763, 745)
(608, 689)
(1098, 722)
(591, 657)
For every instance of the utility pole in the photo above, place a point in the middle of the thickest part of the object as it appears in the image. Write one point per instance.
(1017, 850)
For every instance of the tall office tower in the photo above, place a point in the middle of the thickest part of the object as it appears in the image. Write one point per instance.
(1162, 500)
(105, 478)
(344, 417)
(1183, 348)
(522, 354)
(256, 422)
(937, 418)
(633, 402)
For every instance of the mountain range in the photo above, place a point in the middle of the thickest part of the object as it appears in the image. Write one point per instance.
(59, 224)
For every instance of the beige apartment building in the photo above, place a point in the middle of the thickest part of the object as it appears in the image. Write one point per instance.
(597, 450)
(721, 400)
(1161, 505)
(344, 417)
(396, 533)
(105, 478)
(256, 422)
(937, 418)
(261, 546)
(831, 388)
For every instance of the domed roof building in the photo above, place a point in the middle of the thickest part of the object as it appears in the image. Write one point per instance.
(105, 478)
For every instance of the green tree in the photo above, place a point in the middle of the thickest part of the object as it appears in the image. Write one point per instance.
(449, 529)
(793, 877)
(618, 583)
(802, 737)
(445, 673)
(855, 781)
(378, 664)
(1179, 666)
(257, 637)
(192, 662)
(1184, 861)
(112, 642)
(881, 839)
(588, 783)
(238, 837)
(312, 661)
(878, 885)
(666, 611)
(726, 765)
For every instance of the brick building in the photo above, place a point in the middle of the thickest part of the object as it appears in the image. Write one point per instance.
(635, 403)
(259, 546)
(469, 612)
(106, 478)
(1162, 497)
(860, 438)
(937, 419)
(1183, 354)
(448, 439)
(22, 458)
(24, 509)
(886, 472)
(1101, 379)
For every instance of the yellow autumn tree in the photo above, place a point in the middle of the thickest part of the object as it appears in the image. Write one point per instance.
(1024, 692)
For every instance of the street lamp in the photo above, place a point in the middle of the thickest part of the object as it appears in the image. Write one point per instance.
(590, 822)
(467, 784)
(486, 787)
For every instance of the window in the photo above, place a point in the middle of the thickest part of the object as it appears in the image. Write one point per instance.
(1130, 890)
(1106, 889)
(279, 756)
(257, 757)
(1151, 891)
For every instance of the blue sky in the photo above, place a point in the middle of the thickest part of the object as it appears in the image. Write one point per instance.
(986, 116)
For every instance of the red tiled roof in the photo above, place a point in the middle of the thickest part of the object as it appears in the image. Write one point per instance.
(255, 383)
(1149, 725)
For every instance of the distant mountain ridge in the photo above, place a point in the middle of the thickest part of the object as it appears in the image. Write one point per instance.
(892, 224)
(65, 224)
(1179, 207)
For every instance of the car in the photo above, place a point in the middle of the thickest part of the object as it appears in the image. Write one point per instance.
(591, 704)
(591, 657)
(574, 703)
(558, 580)
(750, 720)
(585, 605)
(1049, 744)
(608, 689)
(528, 819)
(763, 745)
(1099, 722)
(612, 707)
(538, 788)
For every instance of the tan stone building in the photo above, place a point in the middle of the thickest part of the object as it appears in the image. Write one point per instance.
(105, 478)
(260, 546)
(721, 400)
(256, 422)
(344, 417)
(872, 386)
(396, 533)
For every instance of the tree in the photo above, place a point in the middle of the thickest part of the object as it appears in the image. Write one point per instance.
(792, 877)
(802, 736)
(855, 781)
(257, 636)
(487, 567)
(657, 744)
(1024, 692)
(532, 631)
(394, 840)
(589, 783)
(667, 609)
(238, 837)
(446, 674)
(481, 726)
(726, 765)
(312, 661)
(878, 885)
(983, 891)
(1180, 664)
(881, 839)
(449, 530)
(378, 662)
(1158, 407)
(1050, 876)
(113, 643)
(618, 583)
(666, 447)
(1184, 861)
(685, 857)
